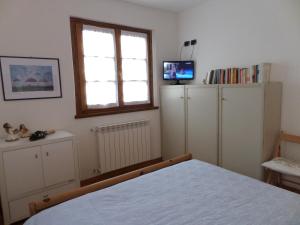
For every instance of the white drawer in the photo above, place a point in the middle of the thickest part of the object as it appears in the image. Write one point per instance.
(19, 209)
(59, 190)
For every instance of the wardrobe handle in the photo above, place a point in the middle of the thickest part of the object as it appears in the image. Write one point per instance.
(36, 156)
(47, 153)
(181, 97)
(224, 99)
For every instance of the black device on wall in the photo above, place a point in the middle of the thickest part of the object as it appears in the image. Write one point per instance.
(178, 70)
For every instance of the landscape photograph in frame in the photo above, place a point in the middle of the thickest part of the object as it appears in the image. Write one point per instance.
(30, 78)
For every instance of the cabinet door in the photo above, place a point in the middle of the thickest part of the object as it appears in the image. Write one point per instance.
(23, 171)
(241, 130)
(58, 162)
(202, 123)
(172, 121)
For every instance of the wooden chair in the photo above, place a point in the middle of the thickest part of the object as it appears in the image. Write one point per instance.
(278, 166)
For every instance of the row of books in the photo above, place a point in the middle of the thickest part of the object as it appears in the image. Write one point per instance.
(254, 74)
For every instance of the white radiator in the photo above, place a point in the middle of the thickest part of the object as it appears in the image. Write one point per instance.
(122, 145)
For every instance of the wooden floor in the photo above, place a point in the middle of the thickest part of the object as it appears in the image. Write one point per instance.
(17, 223)
(290, 189)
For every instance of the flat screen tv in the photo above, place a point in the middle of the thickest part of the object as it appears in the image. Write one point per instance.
(178, 70)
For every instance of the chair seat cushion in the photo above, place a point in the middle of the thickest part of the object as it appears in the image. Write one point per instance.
(283, 165)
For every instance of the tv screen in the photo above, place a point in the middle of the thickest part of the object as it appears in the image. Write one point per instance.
(178, 70)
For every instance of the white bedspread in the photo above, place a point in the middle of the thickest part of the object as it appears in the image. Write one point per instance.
(189, 193)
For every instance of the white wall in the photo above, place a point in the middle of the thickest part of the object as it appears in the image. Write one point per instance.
(40, 28)
(246, 32)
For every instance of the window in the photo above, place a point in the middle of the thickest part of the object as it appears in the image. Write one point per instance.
(113, 68)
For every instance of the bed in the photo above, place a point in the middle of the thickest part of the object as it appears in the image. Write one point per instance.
(188, 193)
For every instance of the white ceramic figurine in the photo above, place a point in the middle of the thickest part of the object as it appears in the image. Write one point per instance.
(12, 134)
(24, 132)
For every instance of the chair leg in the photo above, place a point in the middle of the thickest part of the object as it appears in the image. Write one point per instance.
(278, 179)
(275, 178)
(269, 176)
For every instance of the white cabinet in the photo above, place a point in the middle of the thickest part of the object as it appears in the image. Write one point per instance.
(20, 165)
(55, 157)
(250, 122)
(202, 122)
(234, 126)
(189, 121)
(242, 129)
(173, 120)
(33, 171)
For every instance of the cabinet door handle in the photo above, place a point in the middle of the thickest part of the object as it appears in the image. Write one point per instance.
(36, 156)
(47, 153)
(224, 99)
(181, 97)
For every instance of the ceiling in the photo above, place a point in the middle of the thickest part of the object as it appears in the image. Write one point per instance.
(170, 5)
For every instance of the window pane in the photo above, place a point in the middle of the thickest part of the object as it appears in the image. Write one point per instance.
(135, 91)
(99, 69)
(134, 45)
(98, 42)
(134, 69)
(101, 94)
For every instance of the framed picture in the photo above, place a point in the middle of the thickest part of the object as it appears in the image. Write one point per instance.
(30, 78)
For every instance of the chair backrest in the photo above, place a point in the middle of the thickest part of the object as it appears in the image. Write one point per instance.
(285, 137)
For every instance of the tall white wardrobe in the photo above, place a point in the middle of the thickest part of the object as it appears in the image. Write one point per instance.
(233, 126)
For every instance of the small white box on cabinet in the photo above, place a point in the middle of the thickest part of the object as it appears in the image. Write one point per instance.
(31, 171)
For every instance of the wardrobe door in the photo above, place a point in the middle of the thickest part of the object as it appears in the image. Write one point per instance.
(241, 129)
(202, 122)
(172, 121)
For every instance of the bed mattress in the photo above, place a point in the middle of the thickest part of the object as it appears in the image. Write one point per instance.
(189, 193)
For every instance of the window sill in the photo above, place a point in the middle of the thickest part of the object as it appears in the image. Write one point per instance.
(113, 111)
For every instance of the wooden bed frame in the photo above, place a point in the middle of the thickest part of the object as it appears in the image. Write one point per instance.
(38, 206)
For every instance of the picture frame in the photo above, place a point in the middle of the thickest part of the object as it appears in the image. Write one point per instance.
(25, 78)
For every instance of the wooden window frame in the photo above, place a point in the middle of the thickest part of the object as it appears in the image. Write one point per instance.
(82, 109)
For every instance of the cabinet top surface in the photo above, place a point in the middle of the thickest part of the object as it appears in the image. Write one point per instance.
(24, 142)
(221, 85)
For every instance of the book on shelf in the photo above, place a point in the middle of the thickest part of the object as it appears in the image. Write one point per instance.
(247, 75)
